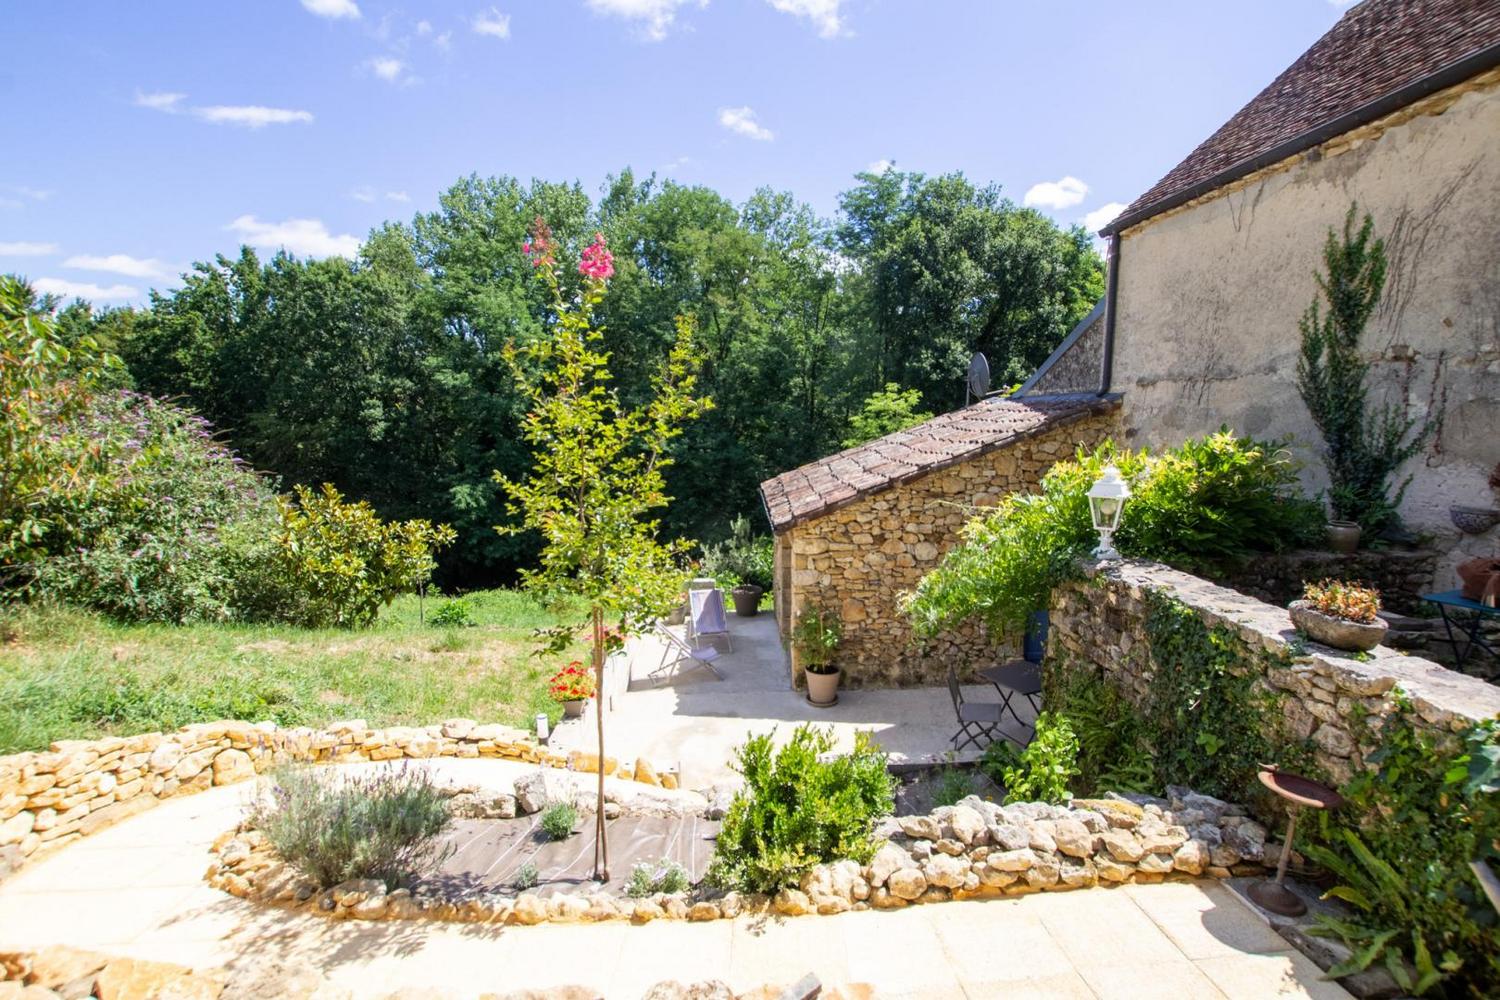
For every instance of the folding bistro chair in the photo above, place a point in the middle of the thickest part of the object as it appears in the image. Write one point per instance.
(976, 719)
(706, 617)
(697, 657)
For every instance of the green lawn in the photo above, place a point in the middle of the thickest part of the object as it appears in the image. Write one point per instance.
(70, 674)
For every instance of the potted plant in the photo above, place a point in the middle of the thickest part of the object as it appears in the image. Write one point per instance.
(1343, 536)
(816, 637)
(746, 597)
(1341, 615)
(572, 685)
(742, 564)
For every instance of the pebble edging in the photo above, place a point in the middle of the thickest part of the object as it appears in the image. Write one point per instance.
(972, 850)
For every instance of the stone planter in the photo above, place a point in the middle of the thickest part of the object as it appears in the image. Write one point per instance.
(746, 599)
(1343, 536)
(823, 689)
(1337, 632)
(574, 707)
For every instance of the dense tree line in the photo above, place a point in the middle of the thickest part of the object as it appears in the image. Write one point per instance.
(384, 375)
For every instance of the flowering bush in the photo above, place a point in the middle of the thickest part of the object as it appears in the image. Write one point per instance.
(1348, 601)
(571, 683)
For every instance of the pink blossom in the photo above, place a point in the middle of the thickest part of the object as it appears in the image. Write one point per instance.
(597, 261)
(539, 245)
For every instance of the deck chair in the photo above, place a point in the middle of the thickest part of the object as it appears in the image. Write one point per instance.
(697, 657)
(706, 617)
(976, 719)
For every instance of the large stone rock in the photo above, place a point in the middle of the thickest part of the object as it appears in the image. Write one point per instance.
(1247, 839)
(1073, 838)
(792, 902)
(671, 989)
(1122, 845)
(1191, 857)
(233, 766)
(921, 828)
(1010, 837)
(261, 979)
(907, 883)
(56, 966)
(135, 979)
(531, 793)
(887, 859)
(968, 826)
(1011, 861)
(945, 871)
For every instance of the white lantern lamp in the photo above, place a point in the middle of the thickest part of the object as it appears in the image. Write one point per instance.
(1107, 502)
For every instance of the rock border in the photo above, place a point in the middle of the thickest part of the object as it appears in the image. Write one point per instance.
(50, 799)
(973, 850)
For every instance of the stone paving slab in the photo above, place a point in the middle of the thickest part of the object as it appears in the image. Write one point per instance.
(1176, 939)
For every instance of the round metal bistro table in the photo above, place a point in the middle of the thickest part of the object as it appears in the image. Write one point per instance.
(1298, 791)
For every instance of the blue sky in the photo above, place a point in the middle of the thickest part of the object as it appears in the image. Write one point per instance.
(145, 136)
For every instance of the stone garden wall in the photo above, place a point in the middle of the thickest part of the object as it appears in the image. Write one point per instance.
(858, 559)
(78, 787)
(1331, 699)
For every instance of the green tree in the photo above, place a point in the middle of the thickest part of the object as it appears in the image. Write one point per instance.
(1364, 446)
(49, 466)
(885, 412)
(596, 478)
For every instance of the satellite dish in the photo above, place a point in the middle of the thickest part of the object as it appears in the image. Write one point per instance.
(978, 379)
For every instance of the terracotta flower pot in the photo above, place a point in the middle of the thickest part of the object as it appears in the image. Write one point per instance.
(574, 707)
(1339, 633)
(823, 689)
(746, 600)
(1343, 536)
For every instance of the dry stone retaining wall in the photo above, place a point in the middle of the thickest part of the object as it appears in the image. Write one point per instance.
(81, 786)
(857, 559)
(1400, 576)
(1329, 698)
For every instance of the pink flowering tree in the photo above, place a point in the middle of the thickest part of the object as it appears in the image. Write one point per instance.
(596, 481)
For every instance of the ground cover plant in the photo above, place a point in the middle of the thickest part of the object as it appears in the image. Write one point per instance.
(334, 827)
(558, 820)
(72, 674)
(647, 879)
(796, 811)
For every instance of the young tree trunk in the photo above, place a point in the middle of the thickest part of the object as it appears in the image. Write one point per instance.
(601, 837)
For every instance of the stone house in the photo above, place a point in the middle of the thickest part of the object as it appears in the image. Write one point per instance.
(1396, 108)
(856, 529)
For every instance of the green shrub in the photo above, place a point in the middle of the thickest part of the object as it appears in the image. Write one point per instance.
(1114, 749)
(1400, 849)
(743, 558)
(527, 876)
(169, 534)
(796, 811)
(953, 784)
(457, 613)
(1197, 507)
(337, 563)
(558, 820)
(647, 879)
(386, 825)
(1042, 771)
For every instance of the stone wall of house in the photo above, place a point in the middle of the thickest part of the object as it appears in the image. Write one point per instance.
(1210, 295)
(1400, 575)
(79, 787)
(1078, 369)
(1102, 621)
(858, 559)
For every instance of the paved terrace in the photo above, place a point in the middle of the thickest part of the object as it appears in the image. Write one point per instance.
(137, 890)
(689, 717)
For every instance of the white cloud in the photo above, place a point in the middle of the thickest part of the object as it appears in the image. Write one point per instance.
(332, 8)
(442, 41)
(1056, 194)
(424, 27)
(1102, 216)
(363, 193)
(742, 122)
(10, 202)
(386, 67)
(119, 263)
(879, 167)
(656, 16)
(492, 23)
(307, 237)
(398, 196)
(824, 14)
(250, 115)
(160, 100)
(63, 288)
(25, 249)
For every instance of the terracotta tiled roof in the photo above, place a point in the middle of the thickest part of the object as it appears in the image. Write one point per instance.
(1371, 63)
(825, 485)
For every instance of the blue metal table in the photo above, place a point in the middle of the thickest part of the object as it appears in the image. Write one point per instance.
(1467, 625)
